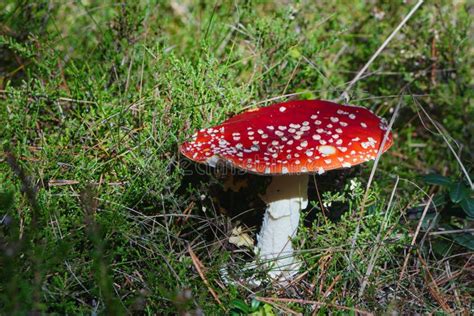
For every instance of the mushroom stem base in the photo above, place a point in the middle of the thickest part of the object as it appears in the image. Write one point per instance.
(285, 197)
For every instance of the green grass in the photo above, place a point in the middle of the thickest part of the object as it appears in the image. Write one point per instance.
(98, 209)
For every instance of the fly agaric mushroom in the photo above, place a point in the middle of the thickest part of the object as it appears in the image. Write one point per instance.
(289, 141)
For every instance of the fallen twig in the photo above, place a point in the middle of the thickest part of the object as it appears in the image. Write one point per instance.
(199, 267)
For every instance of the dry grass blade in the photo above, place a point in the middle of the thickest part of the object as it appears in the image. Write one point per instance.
(433, 287)
(61, 182)
(378, 244)
(407, 257)
(199, 267)
(369, 182)
(446, 140)
(345, 94)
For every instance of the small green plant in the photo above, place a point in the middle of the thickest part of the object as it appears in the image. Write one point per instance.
(455, 203)
(239, 307)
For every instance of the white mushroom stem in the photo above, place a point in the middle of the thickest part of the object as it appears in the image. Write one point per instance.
(286, 196)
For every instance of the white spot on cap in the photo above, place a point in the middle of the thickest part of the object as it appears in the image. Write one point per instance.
(267, 170)
(314, 116)
(223, 143)
(320, 170)
(212, 161)
(327, 150)
(346, 165)
(363, 125)
(316, 137)
(327, 161)
(352, 116)
(304, 144)
(317, 122)
(282, 109)
(309, 153)
(334, 119)
(284, 170)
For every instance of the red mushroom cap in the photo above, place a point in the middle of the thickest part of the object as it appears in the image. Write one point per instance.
(307, 136)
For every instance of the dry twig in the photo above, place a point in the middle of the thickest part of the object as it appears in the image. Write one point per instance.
(200, 267)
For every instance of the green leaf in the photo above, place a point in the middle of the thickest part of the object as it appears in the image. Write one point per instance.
(255, 304)
(465, 239)
(442, 247)
(295, 53)
(467, 205)
(437, 179)
(240, 306)
(457, 191)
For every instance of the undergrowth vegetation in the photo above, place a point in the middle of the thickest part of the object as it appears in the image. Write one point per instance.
(100, 214)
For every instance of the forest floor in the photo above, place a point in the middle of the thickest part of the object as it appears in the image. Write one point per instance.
(101, 214)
